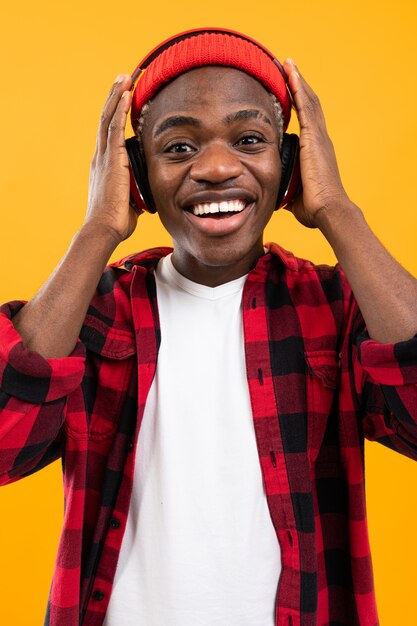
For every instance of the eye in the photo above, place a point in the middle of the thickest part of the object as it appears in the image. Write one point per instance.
(179, 147)
(250, 140)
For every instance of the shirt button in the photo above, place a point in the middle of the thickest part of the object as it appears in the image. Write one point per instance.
(98, 595)
(114, 523)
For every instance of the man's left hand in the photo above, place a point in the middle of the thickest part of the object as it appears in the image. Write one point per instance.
(322, 186)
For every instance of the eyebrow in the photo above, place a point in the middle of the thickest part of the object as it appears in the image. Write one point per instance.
(184, 120)
(176, 120)
(247, 114)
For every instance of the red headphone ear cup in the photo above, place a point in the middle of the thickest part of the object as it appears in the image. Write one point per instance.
(140, 192)
(290, 185)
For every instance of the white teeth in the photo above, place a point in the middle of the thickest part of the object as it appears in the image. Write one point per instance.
(225, 206)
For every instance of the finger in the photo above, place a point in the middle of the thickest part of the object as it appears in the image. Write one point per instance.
(296, 79)
(116, 128)
(305, 99)
(119, 86)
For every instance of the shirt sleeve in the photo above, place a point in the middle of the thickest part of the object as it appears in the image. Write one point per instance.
(33, 392)
(391, 363)
(385, 377)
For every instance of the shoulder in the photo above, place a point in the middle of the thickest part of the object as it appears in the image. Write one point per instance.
(307, 282)
(109, 319)
(301, 267)
(114, 287)
(298, 264)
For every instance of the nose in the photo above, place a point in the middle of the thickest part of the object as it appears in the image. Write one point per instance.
(216, 163)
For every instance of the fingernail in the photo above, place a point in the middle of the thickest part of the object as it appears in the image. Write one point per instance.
(119, 79)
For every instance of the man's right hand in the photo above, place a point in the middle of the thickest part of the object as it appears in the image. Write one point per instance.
(50, 323)
(109, 190)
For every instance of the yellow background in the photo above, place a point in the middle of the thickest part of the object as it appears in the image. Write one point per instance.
(58, 62)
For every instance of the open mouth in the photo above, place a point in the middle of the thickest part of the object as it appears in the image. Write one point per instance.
(218, 210)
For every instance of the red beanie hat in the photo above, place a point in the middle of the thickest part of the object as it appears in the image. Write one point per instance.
(210, 48)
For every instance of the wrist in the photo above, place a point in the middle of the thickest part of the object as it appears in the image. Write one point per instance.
(338, 216)
(100, 233)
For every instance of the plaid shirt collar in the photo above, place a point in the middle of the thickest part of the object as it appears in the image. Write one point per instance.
(120, 343)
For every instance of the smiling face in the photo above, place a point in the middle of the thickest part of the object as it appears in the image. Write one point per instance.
(211, 144)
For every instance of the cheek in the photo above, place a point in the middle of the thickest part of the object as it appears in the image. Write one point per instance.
(275, 169)
(160, 182)
(165, 183)
(270, 177)
(161, 178)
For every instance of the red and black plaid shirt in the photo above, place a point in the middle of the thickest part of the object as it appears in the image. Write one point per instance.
(317, 384)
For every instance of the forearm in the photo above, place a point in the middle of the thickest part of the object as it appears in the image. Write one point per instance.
(51, 322)
(386, 293)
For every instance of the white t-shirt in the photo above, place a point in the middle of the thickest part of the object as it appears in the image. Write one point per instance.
(199, 548)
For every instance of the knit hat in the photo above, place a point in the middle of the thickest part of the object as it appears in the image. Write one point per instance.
(210, 48)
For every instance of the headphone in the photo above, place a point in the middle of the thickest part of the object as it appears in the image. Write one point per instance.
(140, 191)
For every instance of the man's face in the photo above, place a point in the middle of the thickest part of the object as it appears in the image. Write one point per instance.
(211, 137)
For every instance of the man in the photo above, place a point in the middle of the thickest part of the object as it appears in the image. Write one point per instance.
(211, 416)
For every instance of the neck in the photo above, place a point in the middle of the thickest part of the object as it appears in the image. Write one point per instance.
(213, 273)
